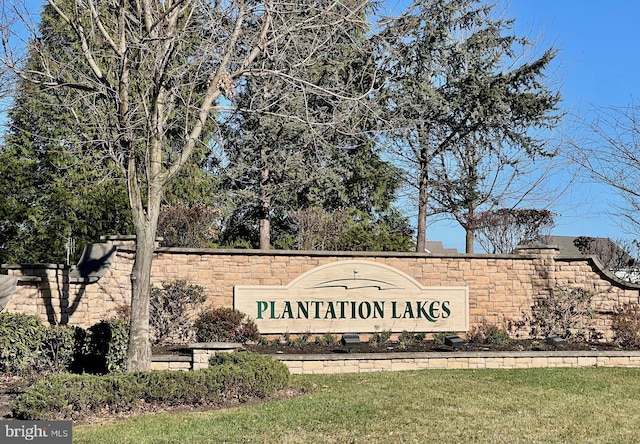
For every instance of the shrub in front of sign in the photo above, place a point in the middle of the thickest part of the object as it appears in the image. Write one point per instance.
(626, 325)
(231, 376)
(296, 341)
(486, 333)
(408, 338)
(327, 339)
(380, 337)
(225, 324)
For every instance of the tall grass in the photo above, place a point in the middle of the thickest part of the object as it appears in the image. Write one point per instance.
(598, 405)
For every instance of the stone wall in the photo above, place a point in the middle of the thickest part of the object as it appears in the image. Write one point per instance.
(379, 362)
(501, 287)
(382, 362)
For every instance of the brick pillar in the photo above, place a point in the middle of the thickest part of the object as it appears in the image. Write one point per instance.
(544, 264)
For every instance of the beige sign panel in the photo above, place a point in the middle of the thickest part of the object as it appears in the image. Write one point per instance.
(354, 297)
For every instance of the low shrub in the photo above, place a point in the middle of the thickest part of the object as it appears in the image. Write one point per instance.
(261, 375)
(169, 309)
(21, 336)
(407, 337)
(626, 325)
(296, 341)
(58, 349)
(327, 339)
(102, 348)
(225, 324)
(380, 337)
(237, 375)
(439, 337)
(489, 334)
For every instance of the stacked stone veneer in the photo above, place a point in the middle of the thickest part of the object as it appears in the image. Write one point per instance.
(501, 287)
(378, 362)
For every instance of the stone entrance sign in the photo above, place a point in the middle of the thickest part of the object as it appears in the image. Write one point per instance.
(354, 296)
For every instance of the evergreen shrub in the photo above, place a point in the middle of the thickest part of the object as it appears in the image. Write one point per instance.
(238, 375)
(28, 346)
(58, 349)
(102, 348)
(21, 336)
(225, 324)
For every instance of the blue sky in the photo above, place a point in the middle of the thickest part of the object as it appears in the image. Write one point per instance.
(597, 66)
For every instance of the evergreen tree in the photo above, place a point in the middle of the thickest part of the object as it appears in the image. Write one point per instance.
(55, 186)
(462, 106)
(279, 163)
(52, 184)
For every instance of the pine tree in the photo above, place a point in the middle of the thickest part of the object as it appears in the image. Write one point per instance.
(460, 103)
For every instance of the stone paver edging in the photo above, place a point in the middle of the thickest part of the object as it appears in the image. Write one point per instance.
(374, 362)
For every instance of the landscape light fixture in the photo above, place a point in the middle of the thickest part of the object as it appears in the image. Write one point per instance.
(350, 339)
(453, 341)
(555, 340)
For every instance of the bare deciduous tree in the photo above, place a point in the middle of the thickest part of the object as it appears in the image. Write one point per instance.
(500, 231)
(615, 256)
(609, 153)
(155, 77)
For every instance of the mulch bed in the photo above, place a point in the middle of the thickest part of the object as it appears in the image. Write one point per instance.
(395, 347)
(426, 346)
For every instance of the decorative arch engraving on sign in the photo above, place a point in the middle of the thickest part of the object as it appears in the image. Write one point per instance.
(354, 296)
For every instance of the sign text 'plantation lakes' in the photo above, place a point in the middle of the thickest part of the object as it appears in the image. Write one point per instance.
(429, 310)
(354, 296)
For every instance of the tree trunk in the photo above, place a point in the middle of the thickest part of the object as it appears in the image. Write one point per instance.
(139, 350)
(423, 198)
(265, 211)
(146, 223)
(469, 237)
(265, 233)
(470, 229)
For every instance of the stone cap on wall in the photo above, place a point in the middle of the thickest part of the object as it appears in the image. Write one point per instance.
(125, 240)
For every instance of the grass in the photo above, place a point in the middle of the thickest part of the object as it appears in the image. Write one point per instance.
(598, 405)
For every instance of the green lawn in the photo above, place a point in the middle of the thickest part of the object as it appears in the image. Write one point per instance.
(599, 405)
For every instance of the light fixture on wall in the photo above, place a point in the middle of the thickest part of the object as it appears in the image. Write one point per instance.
(453, 341)
(350, 339)
(555, 340)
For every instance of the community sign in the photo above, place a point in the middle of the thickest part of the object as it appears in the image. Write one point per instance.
(354, 296)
